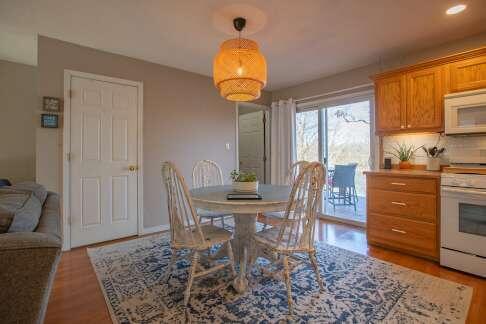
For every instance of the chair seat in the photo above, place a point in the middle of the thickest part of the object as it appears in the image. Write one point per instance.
(211, 214)
(269, 237)
(276, 215)
(215, 235)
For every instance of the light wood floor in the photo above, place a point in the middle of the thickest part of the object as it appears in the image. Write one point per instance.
(77, 298)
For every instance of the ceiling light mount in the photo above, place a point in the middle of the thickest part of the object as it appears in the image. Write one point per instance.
(239, 23)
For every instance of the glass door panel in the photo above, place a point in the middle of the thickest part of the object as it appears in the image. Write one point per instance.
(347, 133)
(307, 135)
(339, 137)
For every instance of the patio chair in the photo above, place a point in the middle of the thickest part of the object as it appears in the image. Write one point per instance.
(342, 179)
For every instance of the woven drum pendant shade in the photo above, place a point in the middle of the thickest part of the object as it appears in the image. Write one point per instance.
(240, 70)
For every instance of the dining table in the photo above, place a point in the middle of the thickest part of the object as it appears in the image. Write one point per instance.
(274, 198)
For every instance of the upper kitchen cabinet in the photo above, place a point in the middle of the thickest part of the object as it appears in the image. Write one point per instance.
(424, 100)
(409, 102)
(410, 99)
(390, 95)
(469, 74)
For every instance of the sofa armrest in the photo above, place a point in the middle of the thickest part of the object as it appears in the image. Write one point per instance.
(28, 263)
(28, 240)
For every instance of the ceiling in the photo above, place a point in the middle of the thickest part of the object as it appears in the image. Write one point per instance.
(302, 40)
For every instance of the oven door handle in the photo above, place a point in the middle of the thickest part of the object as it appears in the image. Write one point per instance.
(464, 191)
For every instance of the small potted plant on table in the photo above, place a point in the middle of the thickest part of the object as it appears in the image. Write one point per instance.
(404, 153)
(244, 181)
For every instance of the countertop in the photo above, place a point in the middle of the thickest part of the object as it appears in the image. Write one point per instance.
(405, 173)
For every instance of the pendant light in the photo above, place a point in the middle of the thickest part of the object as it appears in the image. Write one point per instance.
(239, 69)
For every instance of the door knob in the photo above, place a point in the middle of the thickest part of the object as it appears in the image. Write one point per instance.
(132, 168)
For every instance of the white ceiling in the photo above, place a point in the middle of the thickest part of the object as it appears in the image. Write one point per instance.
(302, 40)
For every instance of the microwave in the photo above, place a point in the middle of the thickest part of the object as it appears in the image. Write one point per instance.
(465, 112)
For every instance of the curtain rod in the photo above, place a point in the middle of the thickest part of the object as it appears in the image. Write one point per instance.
(334, 92)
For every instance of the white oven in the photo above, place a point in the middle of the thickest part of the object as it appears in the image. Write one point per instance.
(463, 223)
(465, 112)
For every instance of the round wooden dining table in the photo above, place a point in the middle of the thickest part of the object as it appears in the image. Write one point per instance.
(274, 199)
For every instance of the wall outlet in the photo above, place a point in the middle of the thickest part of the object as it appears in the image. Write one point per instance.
(228, 146)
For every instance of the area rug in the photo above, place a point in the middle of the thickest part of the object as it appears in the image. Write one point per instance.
(359, 289)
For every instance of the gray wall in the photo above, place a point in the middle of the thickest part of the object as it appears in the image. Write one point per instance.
(18, 120)
(185, 119)
(361, 75)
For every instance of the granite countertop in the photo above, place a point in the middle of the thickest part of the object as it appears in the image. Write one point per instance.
(405, 173)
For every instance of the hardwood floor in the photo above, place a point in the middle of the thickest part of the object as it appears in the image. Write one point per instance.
(77, 298)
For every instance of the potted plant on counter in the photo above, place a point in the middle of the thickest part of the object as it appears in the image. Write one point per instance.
(433, 156)
(404, 153)
(244, 181)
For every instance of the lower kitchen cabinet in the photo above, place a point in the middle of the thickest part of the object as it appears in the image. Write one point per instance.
(403, 211)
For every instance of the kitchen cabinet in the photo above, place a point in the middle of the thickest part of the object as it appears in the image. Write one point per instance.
(424, 109)
(390, 93)
(410, 102)
(402, 211)
(410, 99)
(468, 74)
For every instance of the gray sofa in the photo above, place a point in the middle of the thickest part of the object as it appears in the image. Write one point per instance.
(28, 262)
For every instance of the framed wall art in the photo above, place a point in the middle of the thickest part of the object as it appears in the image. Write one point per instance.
(49, 121)
(51, 104)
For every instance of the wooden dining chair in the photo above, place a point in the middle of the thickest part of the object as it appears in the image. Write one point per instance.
(207, 173)
(295, 235)
(293, 173)
(186, 231)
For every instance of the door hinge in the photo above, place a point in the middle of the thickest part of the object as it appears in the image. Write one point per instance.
(264, 158)
(264, 118)
(68, 157)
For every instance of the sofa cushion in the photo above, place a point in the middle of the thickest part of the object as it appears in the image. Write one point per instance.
(19, 211)
(37, 189)
(5, 220)
(9, 199)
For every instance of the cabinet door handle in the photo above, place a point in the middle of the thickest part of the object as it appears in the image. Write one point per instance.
(398, 203)
(409, 126)
(402, 127)
(398, 183)
(398, 231)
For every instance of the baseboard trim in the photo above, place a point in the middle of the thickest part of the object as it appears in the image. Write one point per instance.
(343, 220)
(155, 229)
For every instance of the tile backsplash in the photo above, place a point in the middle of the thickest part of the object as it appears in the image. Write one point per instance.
(468, 147)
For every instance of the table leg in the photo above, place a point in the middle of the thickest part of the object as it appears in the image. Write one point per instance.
(245, 227)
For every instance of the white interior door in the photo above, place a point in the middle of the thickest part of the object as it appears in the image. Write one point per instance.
(251, 143)
(103, 146)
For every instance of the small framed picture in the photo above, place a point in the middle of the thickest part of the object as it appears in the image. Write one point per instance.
(49, 121)
(51, 104)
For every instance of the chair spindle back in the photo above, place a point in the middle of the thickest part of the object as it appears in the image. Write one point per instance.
(295, 170)
(184, 222)
(297, 230)
(206, 173)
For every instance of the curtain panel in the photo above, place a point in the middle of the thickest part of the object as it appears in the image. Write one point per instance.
(282, 148)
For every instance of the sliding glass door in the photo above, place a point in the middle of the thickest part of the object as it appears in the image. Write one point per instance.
(340, 137)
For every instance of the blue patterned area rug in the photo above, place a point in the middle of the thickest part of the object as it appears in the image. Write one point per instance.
(359, 289)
